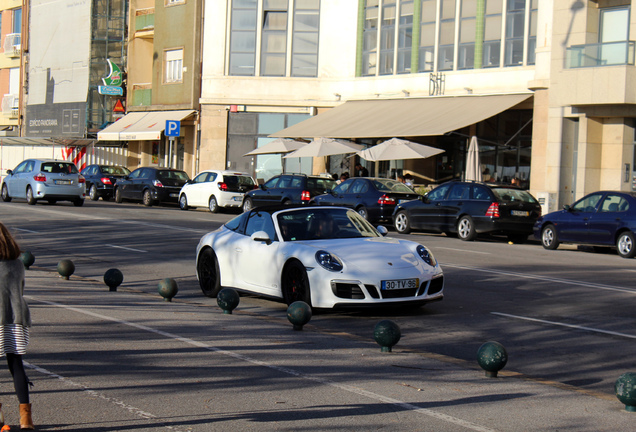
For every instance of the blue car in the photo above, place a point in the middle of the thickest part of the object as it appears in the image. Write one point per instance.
(604, 218)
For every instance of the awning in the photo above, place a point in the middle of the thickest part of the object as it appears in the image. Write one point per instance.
(407, 117)
(141, 126)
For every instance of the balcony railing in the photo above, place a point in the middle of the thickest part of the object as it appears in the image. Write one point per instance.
(12, 45)
(600, 54)
(11, 105)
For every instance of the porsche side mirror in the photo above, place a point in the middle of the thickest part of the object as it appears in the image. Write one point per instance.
(261, 236)
(382, 230)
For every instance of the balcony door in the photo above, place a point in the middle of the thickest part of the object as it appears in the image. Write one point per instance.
(613, 35)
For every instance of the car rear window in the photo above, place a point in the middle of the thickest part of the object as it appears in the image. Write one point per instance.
(236, 180)
(114, 170)
(513, 195)
(178, 175)
(387, 185)
(59, 167)
(321, 184)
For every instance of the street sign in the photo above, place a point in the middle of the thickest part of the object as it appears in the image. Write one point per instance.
(173, 128)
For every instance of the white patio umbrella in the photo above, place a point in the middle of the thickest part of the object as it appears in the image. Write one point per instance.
(473, 164)
(277, 146)
(397, 149)
(325, 147)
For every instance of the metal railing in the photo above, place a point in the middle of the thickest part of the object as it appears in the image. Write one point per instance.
(600, 54)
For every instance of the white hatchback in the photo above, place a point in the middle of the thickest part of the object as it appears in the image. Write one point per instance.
(214, 189)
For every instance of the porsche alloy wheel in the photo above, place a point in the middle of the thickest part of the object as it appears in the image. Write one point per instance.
(625, 245)
(295, 283)
(402, 224)
(209, 273)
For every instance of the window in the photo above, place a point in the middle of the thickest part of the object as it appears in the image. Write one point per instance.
(491, 54)
(438, 193)
(370, 38)
(274, 38)
(304, 59)
(447, 35)
(174, 2)
(515, 18)
(405, 37)
(427, 37)
(243, 38)
(17, 20)
(614, 32)
(467, 34)
(387, 37)
(174, 66)
(532, 32)
(587, 204)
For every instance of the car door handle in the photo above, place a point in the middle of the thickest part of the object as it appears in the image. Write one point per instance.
(438, 204)
(239, 250)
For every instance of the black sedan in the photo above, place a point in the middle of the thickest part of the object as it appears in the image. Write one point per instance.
(373, 198)
(101, 179)
(151, 185)
(604, 218)
(467, 209)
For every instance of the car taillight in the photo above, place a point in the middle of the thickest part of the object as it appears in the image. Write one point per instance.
(222, 186)
(305, 196)
(39, 177)
(493, 210)
(106, 180)
(157, 183)
(81, 179)
(385, 199)
(255, 186)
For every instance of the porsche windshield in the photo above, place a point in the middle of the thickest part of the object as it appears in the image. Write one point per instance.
(323, 223)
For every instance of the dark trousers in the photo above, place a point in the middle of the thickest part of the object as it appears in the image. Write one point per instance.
(20, 380)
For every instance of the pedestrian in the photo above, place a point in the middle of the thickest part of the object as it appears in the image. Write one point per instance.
(408, 180)
(361, 171)
(15, 320)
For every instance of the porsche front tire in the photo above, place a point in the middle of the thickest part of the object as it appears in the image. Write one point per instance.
(295, 283)
(209, 273)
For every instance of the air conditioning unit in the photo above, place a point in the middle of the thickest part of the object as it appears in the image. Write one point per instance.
(11, 106)
(12, 46)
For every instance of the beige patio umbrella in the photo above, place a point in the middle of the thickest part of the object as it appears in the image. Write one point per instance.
(397, 149)
(473, 164)
(325, 147)
(277, 146)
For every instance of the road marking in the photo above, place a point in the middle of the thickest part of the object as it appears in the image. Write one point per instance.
(285, 370)
(135, 411)
(543, 278)
(625, 335)
(463, 250)
(126, 248)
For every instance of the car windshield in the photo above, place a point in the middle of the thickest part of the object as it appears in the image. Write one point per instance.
(323, 224)
(513, 195)
(168, 174)
(114, 170)
(59, 168)
(388, 185)
(320, 184)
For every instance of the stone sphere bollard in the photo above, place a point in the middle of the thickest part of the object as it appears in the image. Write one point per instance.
(492, 357)
(228, 299)
(387, 334)
(113, 278)
(65, 268)
(625, 389)
(168, 288)
(299, 314)
(27, 259)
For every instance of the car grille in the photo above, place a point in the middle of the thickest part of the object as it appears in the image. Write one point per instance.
(347, 290)
(353, 291)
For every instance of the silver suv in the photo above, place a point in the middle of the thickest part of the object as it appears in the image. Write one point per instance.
(44, 179)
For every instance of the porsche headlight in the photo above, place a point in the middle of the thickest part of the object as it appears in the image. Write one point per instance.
(328, 261)
(426, 255)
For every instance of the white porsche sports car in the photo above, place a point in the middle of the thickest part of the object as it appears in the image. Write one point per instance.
(325, 256)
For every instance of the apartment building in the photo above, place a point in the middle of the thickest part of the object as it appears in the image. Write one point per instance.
(10, 35)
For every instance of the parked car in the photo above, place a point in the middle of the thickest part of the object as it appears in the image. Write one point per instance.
(467, 209)
(374, 198)
(44, 179)
(288, 189)
(214, 189)
(604, 218)
(151, 185)
(101, 179)
(328, 257)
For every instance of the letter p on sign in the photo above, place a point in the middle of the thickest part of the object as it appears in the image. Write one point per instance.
(173, 128)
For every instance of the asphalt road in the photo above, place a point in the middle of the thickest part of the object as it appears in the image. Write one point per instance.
(104, 361)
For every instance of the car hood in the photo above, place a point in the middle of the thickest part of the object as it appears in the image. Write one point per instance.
(375, 253)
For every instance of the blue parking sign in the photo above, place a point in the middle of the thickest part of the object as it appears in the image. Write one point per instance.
(173, 128)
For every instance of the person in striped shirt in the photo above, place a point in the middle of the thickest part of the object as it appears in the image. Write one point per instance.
(15, 320)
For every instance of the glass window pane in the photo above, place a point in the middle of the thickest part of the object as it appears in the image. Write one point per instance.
(275, 4)
(305, 43)
(243, 42)
(494, 6)
(467, 31)
(469, 8)
(244, 20)
(242, 64)
(447, 33)
(306, 21)
(492, 29)
(305, 65)
(275, 21)
(448, 9)
(273, 65)
(270, 123)
(274, 42)
(307, 4)
(427, 35)
(428, 10)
